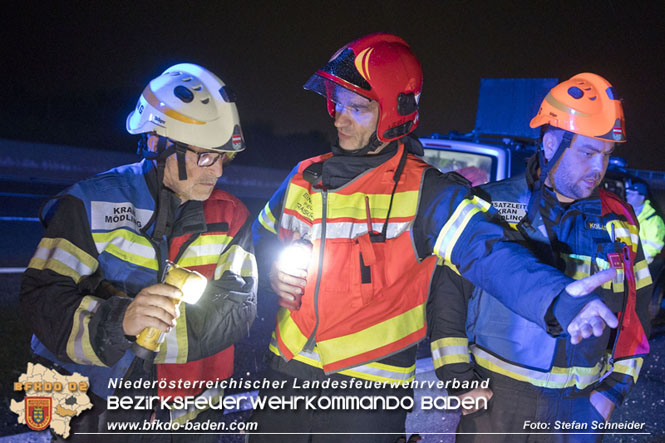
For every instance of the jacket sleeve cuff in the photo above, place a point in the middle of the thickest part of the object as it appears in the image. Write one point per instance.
(565, 307)
(107, 336)
(613, 394)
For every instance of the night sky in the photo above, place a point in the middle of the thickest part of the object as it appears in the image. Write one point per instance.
(72, 73)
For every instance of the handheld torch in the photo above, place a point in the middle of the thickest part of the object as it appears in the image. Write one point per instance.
(191, 284)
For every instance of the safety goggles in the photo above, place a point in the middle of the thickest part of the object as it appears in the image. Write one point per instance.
(205, 159)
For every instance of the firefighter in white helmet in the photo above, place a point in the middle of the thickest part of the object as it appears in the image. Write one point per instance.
(98, 270)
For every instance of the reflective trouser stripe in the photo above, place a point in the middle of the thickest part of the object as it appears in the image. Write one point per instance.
(79, 348)
(450, 350)
(556, 378)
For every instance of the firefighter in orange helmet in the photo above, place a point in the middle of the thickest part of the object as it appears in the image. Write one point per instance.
(546, 374)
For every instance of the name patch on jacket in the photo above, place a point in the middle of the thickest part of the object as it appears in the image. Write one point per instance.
(512, 212)
(109, 215)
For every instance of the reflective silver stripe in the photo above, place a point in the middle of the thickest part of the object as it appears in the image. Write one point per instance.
(79, 348)
(267, 219)
(556, 378)
(237, 261)
(356, 229)
(195, 250)
(190, 413)
(64, 257)
(174, 344)
(342, 229)
(625, 233)
(642, 275)
(145, 251)
(455, 225)
(294, 224)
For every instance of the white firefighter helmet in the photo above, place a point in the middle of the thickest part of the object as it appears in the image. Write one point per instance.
(190, 105)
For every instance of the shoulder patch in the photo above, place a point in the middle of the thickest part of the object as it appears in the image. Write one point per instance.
(511, 212)
(107, 216)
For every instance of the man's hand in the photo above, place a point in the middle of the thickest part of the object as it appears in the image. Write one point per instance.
(288, 287)
(152, 308)
(593, 317)
(477, 393)
(603, 405)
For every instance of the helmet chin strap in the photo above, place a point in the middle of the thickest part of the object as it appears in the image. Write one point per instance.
(373, 144)
(545, 168)
(161, 153)
(536, 201)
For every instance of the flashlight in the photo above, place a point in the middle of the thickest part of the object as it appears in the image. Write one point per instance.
(191, 284)
(295, 257)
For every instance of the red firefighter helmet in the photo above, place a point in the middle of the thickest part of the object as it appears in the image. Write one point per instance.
(379, 67)
(585, 104)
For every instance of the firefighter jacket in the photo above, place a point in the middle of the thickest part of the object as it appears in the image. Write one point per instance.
(652, 231)
(374, 235)
(591, 234)
(97, 253)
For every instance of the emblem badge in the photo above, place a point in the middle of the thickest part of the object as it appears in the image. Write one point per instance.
(38, 412)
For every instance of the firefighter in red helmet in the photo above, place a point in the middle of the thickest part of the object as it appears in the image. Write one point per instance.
(376, 219)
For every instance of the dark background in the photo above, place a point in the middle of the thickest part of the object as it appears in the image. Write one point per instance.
(72, 71)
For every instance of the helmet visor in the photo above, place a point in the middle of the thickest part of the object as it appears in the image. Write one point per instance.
(338, 97)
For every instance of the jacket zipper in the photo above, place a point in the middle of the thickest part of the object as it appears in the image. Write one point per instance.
(311, 341)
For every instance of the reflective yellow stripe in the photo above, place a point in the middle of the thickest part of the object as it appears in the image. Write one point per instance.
(176, 343)
(267, 219)
(450, 350)
(624, 232)
(642, 275)
(127, 246)
(289, 331)
(381, 372)
(205, 250)
(353, 206)
(390, 331)
(556, 378)
(79, 349)
(101, 238)
(375, 371)
(630, 367)
(300, 200)
(454, 227)
(65, 258)
(237, 261)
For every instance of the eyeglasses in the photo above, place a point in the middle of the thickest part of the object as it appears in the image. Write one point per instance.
(206, 159)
